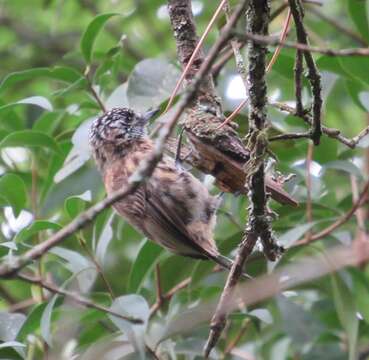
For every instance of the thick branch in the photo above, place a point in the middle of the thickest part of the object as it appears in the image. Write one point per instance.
(184, 31)
(258, 225)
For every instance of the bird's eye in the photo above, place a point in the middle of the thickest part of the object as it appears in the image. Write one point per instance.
(120, 136)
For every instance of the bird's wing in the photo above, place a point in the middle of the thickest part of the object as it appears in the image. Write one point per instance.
(165, 225)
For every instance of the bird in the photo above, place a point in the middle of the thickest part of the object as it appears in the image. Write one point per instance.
(172, 207)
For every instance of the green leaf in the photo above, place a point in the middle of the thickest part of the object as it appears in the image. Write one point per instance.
(13, 191)
(10, 325)
(346, 311)
(361, 291)
(332, 64)
(358, 14)
(82, 268)
(104, 240)
(297, 323)
(34, 228)
(65, 74)
(284, 65)
(11, 344)
(74, 205)
(145, 260)
(291, 236)
(48, 122)
(32, 322)
(150, 83)
(262, 314)
(90, 34)
(79, 154)
(30, 138)
(39, 101)
(357, 92)
(45, 323)
(136, 306)
(346, 166)
(356, 67)
(328, 151)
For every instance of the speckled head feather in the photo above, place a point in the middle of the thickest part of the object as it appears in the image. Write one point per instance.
(114, 132)
(117, 126)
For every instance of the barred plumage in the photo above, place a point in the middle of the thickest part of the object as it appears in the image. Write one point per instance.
(172, 208)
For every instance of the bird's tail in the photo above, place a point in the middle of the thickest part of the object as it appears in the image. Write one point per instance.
(227, 263)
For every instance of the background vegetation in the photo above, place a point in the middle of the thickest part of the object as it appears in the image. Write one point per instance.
(59, 67)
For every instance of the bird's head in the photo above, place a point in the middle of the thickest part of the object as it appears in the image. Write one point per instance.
(115, 131)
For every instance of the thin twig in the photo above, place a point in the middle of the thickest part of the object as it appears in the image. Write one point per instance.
(269, 67)
(94, 93)
(238, 337)
(6, 295)
(361, 233)
(342, 220)
(240, 64)
(291, 136)
(151, 352)
(339, 26)
(92, 257)
(313, 73)
(21, 306)
(167, 296)
(309, 205)
(330, 132)
(283, 6)
(75, 297)
(274, 41)
(223, 59)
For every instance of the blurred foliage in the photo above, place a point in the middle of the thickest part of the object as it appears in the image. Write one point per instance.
(57, 58)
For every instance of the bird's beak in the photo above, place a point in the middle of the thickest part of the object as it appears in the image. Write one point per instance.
(150, 114)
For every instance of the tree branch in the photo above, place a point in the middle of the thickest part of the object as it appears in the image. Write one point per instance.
(215, 151)
(328, 230)
(331, 132)
(338, 25)
(143, 172)
(75, 297)
(274, 41)
(258, 224)
(313, 73)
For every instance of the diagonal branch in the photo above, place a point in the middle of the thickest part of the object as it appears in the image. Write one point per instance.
(346, 217)
(339, 26)
(75, 297)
